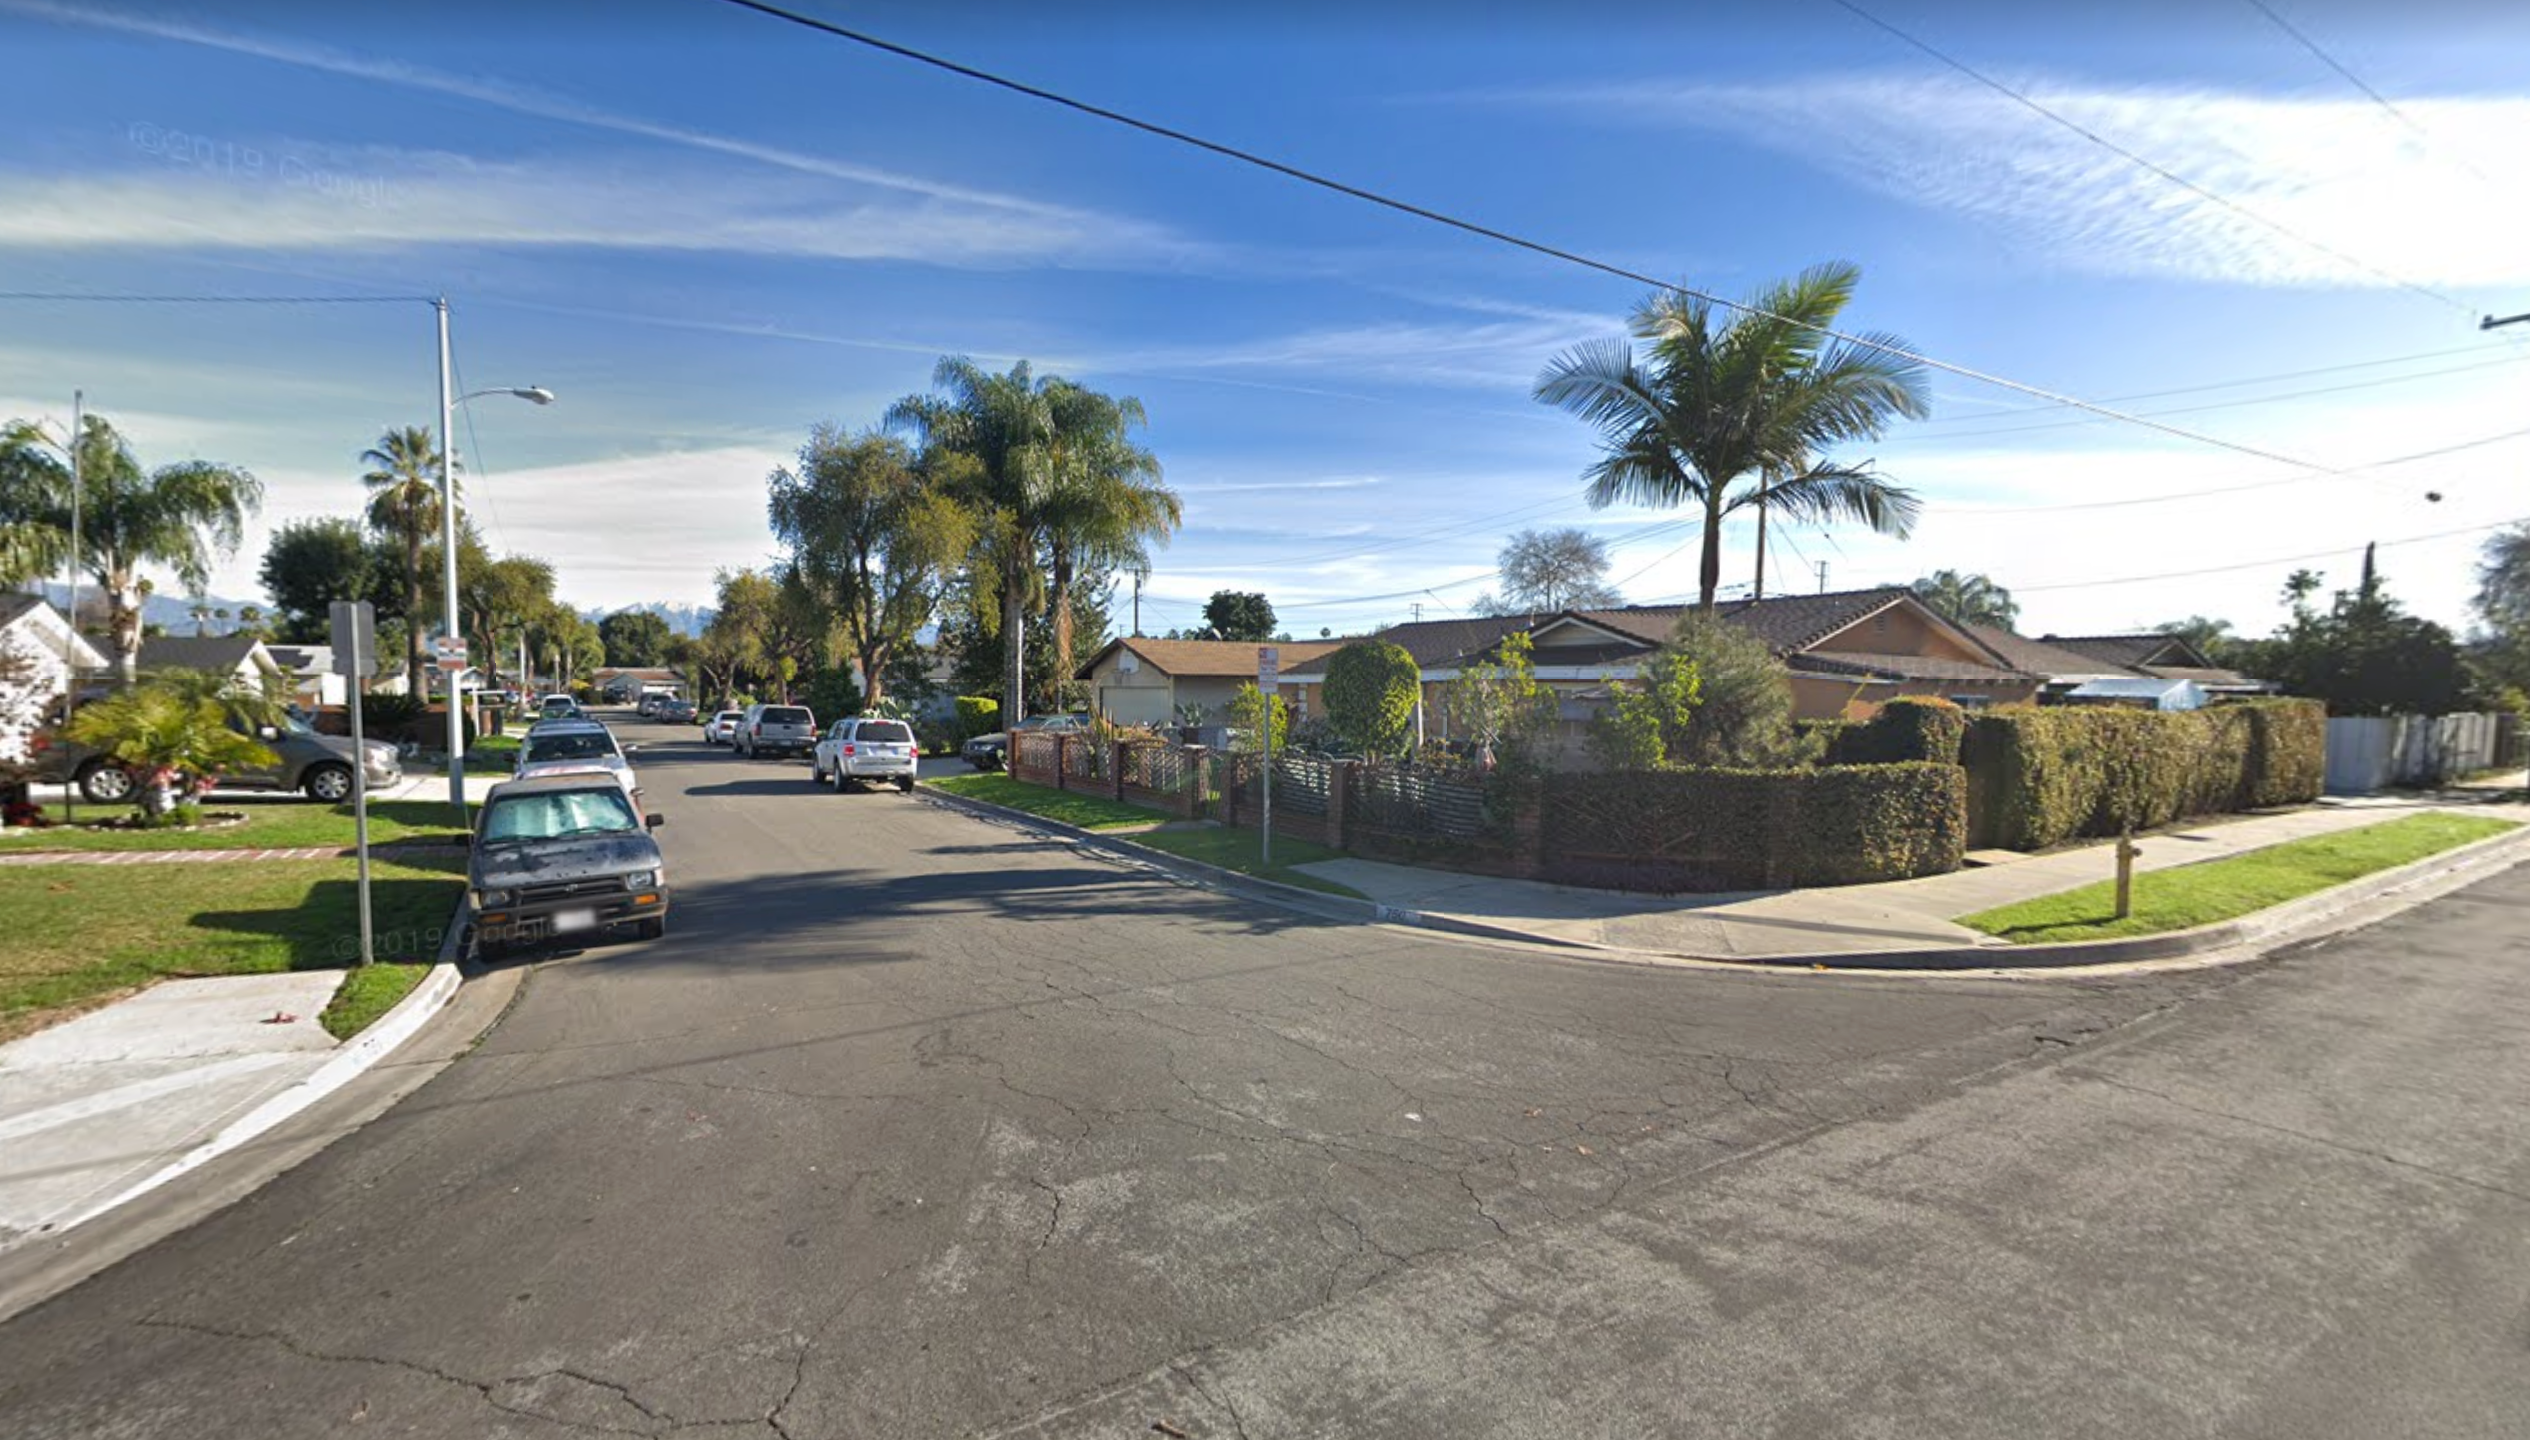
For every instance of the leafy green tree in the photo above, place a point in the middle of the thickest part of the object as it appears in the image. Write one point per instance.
(309, 565)
(1714, 416)
(1968, 599)
(1240, 615)
(179, 516)
(2209, 637)
(2365, 655)
(2502, 649)
(1648, 719)
(1743, 714)
(403, 481)
(175, 735)
(634, 638)
(873, 537)
(1371, 689)
(1501, 707)
(1250, 710)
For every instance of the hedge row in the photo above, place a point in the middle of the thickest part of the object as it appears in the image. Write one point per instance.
(1718, 829)
(1907, 728)
(2039, 777)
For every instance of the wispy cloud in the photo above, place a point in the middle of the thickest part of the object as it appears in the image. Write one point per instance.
(2337, 171)
(1502, 356)
(334, 200)
(1003, 213)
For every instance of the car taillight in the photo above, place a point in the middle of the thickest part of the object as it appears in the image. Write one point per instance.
(847, 750)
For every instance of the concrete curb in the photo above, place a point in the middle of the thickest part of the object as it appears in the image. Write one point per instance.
(354, 1057)
(2295, 919)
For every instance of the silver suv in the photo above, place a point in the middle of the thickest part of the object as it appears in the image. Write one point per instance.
(776, 730)
(865, 749)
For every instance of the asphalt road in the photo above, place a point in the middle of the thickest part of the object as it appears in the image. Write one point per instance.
(916, 1125)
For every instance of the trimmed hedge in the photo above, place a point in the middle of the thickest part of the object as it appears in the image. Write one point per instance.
(977, 715)
(1717, 829)
(1907, 728)
(2039, 777)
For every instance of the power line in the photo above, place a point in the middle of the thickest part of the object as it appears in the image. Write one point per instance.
(52, 295)
(2376, 97)
(2347, 472)
(1504, 237)
(2262, 564)
(2140, 162)
(2513, 359)
(2252, 380)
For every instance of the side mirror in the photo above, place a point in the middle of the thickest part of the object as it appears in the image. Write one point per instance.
(653, 822)
(632, 750)
(267, 732)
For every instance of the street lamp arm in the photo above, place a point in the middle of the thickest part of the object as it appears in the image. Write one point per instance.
(533, 394)
(2490, 322)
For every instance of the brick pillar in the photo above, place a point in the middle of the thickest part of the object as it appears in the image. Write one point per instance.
(1339, 791)
(1198, 779)
(1115, 770)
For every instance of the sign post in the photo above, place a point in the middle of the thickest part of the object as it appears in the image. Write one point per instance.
(355, 640)
(1268, 667)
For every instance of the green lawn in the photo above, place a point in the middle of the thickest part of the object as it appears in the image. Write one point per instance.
(1237, 850)
(80, 931)
(272, 822)
(494, 750)
(2218, 890)
(368, 992)
(1072, 807)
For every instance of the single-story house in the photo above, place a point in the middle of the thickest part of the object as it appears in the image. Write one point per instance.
(1138, 681)
(39, 652)
(242, 657)
(2160, 657)
(1847, 652)
(624, 683)
(313, 682)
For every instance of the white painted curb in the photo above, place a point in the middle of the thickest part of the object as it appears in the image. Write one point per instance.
(346, 1064)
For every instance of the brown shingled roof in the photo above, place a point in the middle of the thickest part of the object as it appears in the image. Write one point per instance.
(2131, 651)
(2040, 658)
(1218, 659)
(1432, 643)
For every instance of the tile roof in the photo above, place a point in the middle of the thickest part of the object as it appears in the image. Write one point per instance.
(1796, 622)
(219, 653)
(1901, 667)
(2040, 658)
(1432, 643)
(2130, 651)
(1212, 659)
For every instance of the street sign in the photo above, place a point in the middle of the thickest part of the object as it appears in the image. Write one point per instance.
(354, 637)
(1268, 666)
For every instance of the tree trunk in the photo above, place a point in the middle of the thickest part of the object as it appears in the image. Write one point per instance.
(123, 619)
(1014, 621)
(873, 687)
(1062, 618)
(1710, 578)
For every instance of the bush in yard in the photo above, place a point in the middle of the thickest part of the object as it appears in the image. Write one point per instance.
(1907, 728)
(1713, 828)
(1500, 709)
(1745, 714)
(1248, 709)
(1371, 687)
(176, 742)
(2039, 777)
(1646, 720)
(977, 715)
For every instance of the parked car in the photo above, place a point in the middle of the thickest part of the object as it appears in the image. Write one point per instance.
(559, 707)
(674, 712)
(563, 746)
(561, 855)
(722, 729)
(776, 730)
(866, 749)
(318, 766)
(992, 751)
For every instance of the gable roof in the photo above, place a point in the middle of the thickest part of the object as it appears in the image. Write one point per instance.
(36, 611)
(1210, 659)
(2134, 651)
(1432, 643)
(218, 653)
(16, 604)
(2038, 657)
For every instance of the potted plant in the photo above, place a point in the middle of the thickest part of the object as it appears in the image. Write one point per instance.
(1190, 723)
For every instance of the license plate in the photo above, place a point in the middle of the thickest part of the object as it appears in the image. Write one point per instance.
(566, 921)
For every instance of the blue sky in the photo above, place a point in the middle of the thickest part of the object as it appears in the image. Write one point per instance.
(706, 231)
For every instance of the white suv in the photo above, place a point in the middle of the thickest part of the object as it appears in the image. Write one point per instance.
(865, 749)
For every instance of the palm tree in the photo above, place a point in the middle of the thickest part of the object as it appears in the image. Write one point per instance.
(403, 481)
(1705, 409)
(180, 516)
(1968, 599)
(1105, 503)
(988, 438)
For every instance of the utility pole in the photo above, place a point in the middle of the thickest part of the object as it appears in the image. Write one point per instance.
(1822, 577)
(1137, 607)
(1417, 609)
(70, 648)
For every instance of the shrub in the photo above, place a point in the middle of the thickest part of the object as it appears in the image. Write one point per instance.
(831, 693)
(1248, 710)
(1371, 688)
(381, 715)
(2040, 777)
(1704, 828)
(1907, 728)
(1744, 712)
(977, 715)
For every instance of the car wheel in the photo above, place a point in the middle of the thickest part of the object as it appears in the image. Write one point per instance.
(906, 785)
(329, 783)
(102, 782)
(651, 929)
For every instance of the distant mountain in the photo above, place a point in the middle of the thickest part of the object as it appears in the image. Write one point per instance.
(173, 613)
(686, 620)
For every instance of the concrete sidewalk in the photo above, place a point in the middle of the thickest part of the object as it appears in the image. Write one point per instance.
(1852, 919)
(97, 1106)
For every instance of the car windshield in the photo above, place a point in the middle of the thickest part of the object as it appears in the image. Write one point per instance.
(569, 745)
(558, 815)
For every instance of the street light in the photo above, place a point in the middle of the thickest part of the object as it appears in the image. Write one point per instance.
(534, 394)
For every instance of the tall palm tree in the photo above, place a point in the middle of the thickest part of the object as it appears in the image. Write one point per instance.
(1968, 599)
(1718, 416)
(988, 438)
(180, 516)
(1104, 502)
(403, 481)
